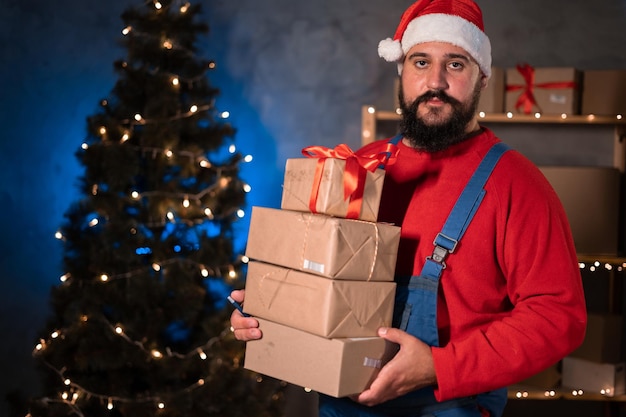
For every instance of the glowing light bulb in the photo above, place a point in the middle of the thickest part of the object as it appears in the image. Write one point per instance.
(64, 277)
(204, 272)
(93, 222)
(168, 153)
(186, 202)
(103, 130)
(54, 334)
(125, 137)
(232, 149)
(158, 5)
(126, 30)
(156, 267)
(193, 108)
(138, 117)
(205, 163)
(371, 110)
(104, 277)
(241, 214)
(509, 115)
(156, 354)
(119, 330)
(247, 158)
(175, 81)
(202, 354)
(170, 216)
(208, 212)
(161, 405)
(225, 115)
(67, 381)
(58, 235)
(84, 146)
(245, 259)
(110, 404)
(247, 188)
(167, 44)
(185, 7)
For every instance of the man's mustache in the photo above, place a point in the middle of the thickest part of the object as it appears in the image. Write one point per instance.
(440, 95)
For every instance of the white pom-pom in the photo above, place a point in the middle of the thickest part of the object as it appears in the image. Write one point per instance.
(390, 50)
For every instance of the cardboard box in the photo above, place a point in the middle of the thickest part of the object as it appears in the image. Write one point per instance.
(492, 97)
(323, 245)
(593, 377)
(336, 367)
(547, 379)
(590, 196)
(604, 92)
(298, 188)
(550, 100)
(319, 305)
(603, 340)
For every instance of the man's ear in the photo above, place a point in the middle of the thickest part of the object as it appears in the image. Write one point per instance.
(483, 81)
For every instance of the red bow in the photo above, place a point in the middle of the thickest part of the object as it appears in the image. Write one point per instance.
(357, 166)
(527, 98)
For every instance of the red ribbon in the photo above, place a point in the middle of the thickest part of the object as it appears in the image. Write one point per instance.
(357, 166)
(527, 98)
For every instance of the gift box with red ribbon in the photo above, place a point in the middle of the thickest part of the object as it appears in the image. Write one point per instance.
(336, 182)
(542, 90)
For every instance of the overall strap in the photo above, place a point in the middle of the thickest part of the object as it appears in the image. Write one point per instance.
(462, 213)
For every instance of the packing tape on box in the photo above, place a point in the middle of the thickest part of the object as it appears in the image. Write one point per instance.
(372, 363)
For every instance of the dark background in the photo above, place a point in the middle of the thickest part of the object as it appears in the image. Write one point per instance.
(292, 74)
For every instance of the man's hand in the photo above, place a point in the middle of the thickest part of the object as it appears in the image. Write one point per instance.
(244, 328)
(412, 368)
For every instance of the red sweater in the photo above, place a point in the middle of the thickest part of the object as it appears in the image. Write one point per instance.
(510, 301)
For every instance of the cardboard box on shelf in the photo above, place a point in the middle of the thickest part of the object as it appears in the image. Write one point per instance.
(323, 245)
(492, 97)
(593, 377)
(322, 306)
(590, 196)
(547, 379)
(604, 92)
(603, 341)
(556, 91)
(300, 176)
(336, 367)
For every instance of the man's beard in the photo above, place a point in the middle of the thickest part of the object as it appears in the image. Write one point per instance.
(437, 137)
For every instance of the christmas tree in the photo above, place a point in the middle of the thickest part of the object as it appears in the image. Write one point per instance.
(139, 323)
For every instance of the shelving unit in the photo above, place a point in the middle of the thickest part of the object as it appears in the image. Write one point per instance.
(372, 120)
(377, 124)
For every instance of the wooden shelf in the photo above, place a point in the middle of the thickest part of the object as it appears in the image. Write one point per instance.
(531, 393)
(520, 118)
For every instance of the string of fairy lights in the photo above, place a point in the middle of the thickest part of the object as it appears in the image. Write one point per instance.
(74, 391)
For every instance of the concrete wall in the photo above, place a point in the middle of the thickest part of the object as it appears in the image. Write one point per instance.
(292, 74)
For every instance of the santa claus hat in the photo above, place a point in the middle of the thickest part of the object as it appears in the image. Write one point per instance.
(459, 22)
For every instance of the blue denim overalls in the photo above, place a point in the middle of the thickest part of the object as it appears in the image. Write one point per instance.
(416, 313)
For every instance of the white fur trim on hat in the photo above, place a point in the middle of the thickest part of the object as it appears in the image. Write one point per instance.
(439, 27)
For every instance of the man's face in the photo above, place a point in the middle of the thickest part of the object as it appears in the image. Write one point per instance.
(440, 89)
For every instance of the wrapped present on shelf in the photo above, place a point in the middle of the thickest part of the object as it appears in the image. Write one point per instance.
(604, 92)
(492, 97)
(322, 306)
(337, 367)
(594, 377)
(337, 182)
(595, 227)
(602, 340)
(542, 90)
(324, 245)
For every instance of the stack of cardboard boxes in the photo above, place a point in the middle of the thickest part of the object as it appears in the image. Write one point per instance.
(319, 283)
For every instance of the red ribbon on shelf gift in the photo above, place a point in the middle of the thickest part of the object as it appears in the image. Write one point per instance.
(357, 166)
(527, 98)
